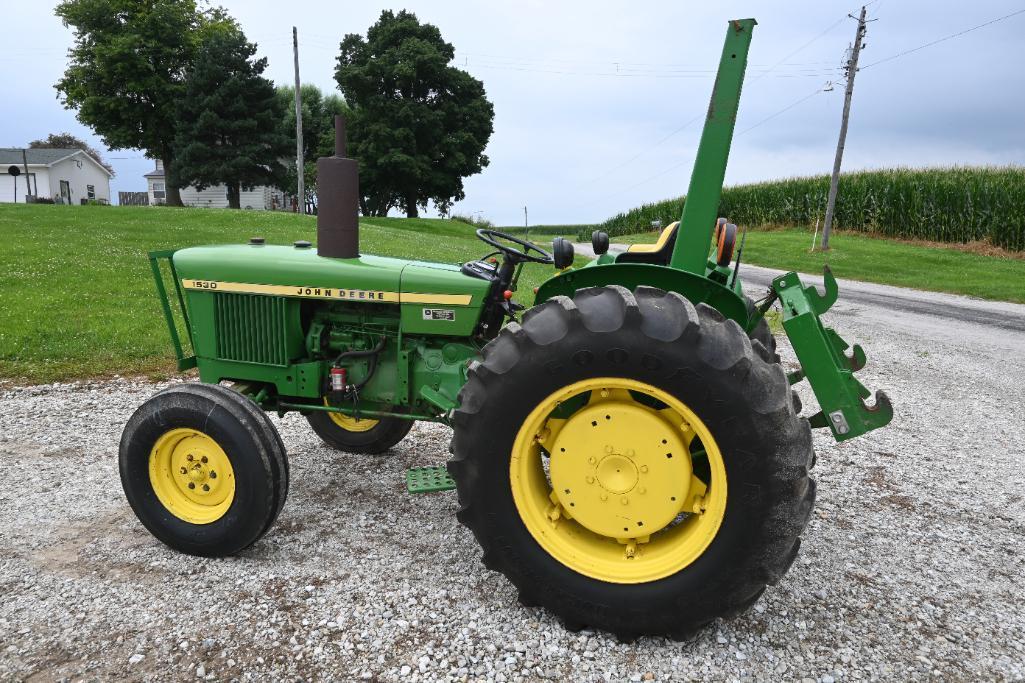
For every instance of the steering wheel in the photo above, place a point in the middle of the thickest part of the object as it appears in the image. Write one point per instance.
(492, 236)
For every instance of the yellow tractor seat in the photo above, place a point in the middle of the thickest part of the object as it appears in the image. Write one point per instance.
(658, 253)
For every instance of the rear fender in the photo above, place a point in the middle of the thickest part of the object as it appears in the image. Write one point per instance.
(696, 288)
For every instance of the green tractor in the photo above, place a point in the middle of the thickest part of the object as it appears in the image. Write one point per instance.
(627, 450)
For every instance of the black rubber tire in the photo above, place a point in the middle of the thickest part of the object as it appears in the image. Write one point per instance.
(693, 353)
(762, 334)
(250, 441)
(385, 434)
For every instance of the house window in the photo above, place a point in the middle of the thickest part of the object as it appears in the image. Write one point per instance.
(158, 191)
(90, 191)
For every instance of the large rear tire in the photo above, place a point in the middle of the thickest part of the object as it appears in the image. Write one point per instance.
(631, 463)
(204, 469)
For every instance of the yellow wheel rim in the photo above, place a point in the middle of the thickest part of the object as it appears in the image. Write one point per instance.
(352, 424)
(628, 496)
(191, 476)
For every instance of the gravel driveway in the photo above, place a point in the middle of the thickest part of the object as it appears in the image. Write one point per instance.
(911, 567)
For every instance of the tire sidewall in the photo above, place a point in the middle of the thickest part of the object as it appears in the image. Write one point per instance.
(253, 503)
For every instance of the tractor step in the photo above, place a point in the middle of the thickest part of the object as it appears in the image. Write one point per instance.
(429, 479)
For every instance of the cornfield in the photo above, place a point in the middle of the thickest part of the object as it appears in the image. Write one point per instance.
(960, 204)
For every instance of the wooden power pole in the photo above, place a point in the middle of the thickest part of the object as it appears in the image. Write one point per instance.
(300, 166)
(852, 70)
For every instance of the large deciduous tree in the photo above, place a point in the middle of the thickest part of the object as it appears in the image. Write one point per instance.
(229, 120)
(318, 112)
(69, 141)
(418, 125)
(127, 68)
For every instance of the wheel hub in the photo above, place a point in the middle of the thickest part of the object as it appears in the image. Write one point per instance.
(620, 469)
(192, 476)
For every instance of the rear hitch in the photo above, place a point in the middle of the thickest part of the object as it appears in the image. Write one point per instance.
(825, 361)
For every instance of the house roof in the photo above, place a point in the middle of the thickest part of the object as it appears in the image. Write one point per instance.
(40, 157)
(154, 174)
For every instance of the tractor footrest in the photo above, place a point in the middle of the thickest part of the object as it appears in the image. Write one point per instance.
(429, 479)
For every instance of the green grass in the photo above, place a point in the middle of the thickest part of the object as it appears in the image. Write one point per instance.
(888, 262)
(960, 205)
(77, 297)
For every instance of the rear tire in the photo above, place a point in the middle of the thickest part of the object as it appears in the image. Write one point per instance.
(204, 469)
(696, 356)
(371, 437)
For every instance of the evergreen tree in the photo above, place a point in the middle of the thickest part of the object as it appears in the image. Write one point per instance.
(229, 120)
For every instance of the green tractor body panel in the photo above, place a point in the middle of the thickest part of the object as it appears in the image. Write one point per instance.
(277, 315)
(701, 208)
(282, 322)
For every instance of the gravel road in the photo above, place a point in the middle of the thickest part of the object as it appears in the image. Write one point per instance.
(911, 568)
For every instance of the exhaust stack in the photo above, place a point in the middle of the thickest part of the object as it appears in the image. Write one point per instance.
(338, 201)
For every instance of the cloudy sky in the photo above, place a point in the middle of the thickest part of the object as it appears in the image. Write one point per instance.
(590, 96)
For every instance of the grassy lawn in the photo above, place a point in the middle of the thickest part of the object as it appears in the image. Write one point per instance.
(871, 259)
(77, 297)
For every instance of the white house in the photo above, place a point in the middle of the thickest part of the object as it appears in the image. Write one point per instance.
(67, 176)
(262, 198)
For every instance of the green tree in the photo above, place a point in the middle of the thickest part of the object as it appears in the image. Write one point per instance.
(69, 141)
(318, 132)
(418, 126)
(229, 121)
(127, 67)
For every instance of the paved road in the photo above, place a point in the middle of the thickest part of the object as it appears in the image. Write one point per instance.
(946, 316)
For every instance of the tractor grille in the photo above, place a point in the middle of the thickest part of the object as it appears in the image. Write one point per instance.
(251, 328)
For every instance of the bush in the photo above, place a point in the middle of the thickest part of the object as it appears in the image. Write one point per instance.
(475, 221)
(960, 204)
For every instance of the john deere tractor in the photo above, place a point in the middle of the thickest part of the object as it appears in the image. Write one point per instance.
(627, 449)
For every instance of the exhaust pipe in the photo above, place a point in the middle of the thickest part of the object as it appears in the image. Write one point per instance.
(338, 201)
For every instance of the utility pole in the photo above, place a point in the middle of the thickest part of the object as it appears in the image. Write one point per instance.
(24, 161)
(852, 71)
(300, 166)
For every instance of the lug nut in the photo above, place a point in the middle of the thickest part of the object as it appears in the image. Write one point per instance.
(213, 475)
(206, 487)
(189, 457)
(203, 459)
(183, 470)
(192, 485)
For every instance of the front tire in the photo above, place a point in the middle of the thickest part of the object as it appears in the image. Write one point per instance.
(204, 469)
(578, 512)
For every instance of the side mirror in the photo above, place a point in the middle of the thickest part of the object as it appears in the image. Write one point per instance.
(562, 252)
(599, 242)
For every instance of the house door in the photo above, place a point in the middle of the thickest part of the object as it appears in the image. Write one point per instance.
(65, 192)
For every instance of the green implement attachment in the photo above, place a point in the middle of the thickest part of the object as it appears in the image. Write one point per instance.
(428, 479)
(824, 361)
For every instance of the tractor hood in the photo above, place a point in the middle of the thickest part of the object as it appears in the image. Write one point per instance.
(300, 272)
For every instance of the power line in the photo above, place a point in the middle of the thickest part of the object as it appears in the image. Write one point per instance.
(830, 28)
(944, 39)
(784, 109)
(642, 152)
